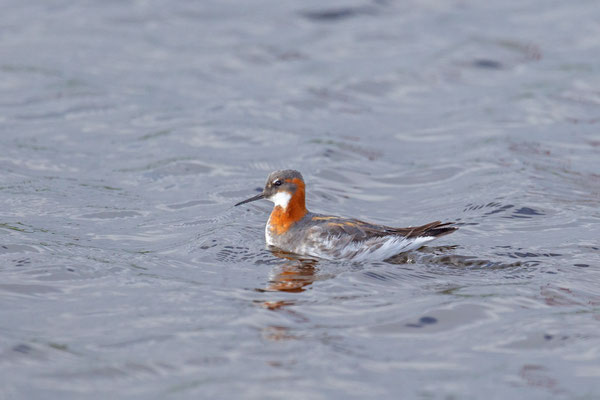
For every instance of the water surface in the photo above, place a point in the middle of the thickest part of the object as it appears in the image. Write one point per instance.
(129, 129)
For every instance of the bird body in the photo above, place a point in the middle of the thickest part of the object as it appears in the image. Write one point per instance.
(291, 227)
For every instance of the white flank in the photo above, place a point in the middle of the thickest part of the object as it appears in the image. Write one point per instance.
(370, 249)
(268, 237)
(390, 247)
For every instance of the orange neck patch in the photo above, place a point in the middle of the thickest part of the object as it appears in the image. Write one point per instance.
(282, 219)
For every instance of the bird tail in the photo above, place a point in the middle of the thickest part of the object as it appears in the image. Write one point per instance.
(433, 229)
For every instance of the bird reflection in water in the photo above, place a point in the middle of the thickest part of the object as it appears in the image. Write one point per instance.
(293, 276)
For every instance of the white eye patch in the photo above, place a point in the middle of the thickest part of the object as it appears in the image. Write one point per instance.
(281, 199)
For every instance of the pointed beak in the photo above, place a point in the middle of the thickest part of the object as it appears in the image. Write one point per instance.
(257, 197)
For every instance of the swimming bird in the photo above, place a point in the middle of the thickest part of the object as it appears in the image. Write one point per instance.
(291, 227)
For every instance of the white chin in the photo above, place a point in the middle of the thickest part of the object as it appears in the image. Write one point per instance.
(281, 199)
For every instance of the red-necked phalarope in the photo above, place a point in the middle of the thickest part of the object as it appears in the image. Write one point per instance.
(291, 227)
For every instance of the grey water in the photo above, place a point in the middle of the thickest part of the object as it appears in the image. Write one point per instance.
(129, 129)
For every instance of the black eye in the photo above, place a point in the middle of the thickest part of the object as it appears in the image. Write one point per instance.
(277, 183)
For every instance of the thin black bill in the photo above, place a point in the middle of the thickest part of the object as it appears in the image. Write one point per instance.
(257, 197)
